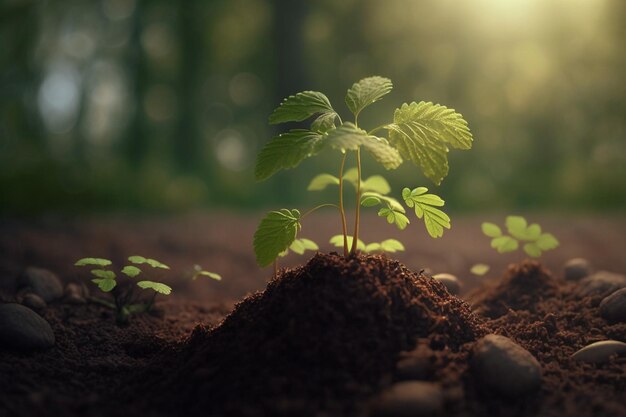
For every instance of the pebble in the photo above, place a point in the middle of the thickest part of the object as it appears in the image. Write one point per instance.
(576, 268)
(42, 282)
(450, 281)
(506, 367)
(34, 302)
(415, 365)
(23, 329)
(601, 283)
(613, 307)
(599, 352)
(74, 294)
(411, 398)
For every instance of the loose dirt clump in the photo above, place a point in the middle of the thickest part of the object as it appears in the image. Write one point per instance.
(320, 338)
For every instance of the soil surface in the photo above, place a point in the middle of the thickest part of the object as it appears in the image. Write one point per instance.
(323, 339)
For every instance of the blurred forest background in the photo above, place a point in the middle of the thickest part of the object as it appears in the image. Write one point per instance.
(162, 105)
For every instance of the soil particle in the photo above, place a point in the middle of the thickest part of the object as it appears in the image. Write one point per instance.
(599, 352)
(576, 268)
(613, 307)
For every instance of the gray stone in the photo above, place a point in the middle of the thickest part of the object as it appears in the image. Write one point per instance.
(613, 307)
(506, 367)
(599, 352)
(74, 294)
(42, 282)
(23, 329)
(450, 281)
(601, 283)
(408, 399)
(34, 302)
(576, 268)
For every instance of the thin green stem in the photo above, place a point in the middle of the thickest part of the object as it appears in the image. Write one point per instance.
(357, 217)
(344, 227)
(318, 207)
(376, 129)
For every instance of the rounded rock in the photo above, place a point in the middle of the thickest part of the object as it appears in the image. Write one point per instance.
(23, 329)
(415, 365)
(601, 283)
(34, 302)
(74, 294)
(599, 352)
(42, 282)
(411, 398)
(576, 268)
(506, 367)
(451, 282)
(613, 307)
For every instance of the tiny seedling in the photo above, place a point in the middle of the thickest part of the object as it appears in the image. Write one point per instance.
(480, 269)
(420, 132)
(125, 301)
(534, 240)
(199, 272)
(387, 245)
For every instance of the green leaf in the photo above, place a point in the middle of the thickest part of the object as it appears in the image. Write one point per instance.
(351, 176)
(516, 225)
(93, 261)
(491, 230)
(211, 275)
(391, 202)
(337, 241)
(324, 122)
(425, 205)
(297, 246)
(532, 250)
(366, 92)
(131, 271)
(105, 284)
(155, 286)
(383, 152)
(300, 107)
(480, 269)
(309, 244)
(504, 244)
(372, 247)
(423, 133)
(152, 262)
(395, 217)
(322, 181)
(286, 151)
(103, 273)
(137, 259)
(376, 183)
(370, 201)
(276, 232)
(349, 137)
(392, 245)
(547, 241)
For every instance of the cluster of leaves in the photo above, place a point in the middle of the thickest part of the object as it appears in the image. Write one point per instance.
(387, 245)
(534, 240)
(421, 133)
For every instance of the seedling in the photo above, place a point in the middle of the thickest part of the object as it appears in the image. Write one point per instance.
(534, 241)
(387, 245)
(199, 272)
(480, 269)
(125, 301)
(298, 246)
(420, 132)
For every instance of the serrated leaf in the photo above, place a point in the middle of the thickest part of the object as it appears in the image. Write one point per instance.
(391, 202)
(286, 151)
(211, 275)
(532, 250)
(309, 244)
(155, 286)
(435, 221)
(349, 137)
(504, 244)
(103, 273)
(480, 269)
(104, 284)
(300, 107)
(152, 262)
(322, 181)
(425, 205)
(367, 91)
(383, 152)
(93, 261)
(423, 133)
(547, 241)
(372, 247)
(491, 230)
(394, 217)
(276, 232)
(131, 271)
(324, 122)
(337, 241)
(391, 245)
(376, 183)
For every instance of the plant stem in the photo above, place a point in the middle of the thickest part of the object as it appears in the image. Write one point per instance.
(376, 129)
(355, 238)
(341, 210)
(103, 302)
(318, 207)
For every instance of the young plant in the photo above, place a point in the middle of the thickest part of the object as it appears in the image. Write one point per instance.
(535, 242)
(199, 272)
(125, 301)
(387, 245)
(298, 246)
(420, 132)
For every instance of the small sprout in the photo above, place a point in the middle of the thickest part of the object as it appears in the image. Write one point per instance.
(131, 271)
(106, 285)
(152, 262)
(388, 245)
(480, 269)
(200, 272)
(535, 242)
(156, 286)
(93, 261)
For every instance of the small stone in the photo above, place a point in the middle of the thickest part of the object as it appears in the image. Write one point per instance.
(613, 307)
(415, 365)
(411, 398)
(42, 282)
(34, 302)
(576, 268)
(599, 352)
(74, 294)
(23, 329)
(506, 367)
(601, 283)
(450, 281)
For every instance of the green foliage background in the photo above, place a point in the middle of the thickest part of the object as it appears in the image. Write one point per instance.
(159, 105)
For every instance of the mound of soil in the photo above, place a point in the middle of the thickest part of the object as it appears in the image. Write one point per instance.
(322, 337)
(522, 287)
